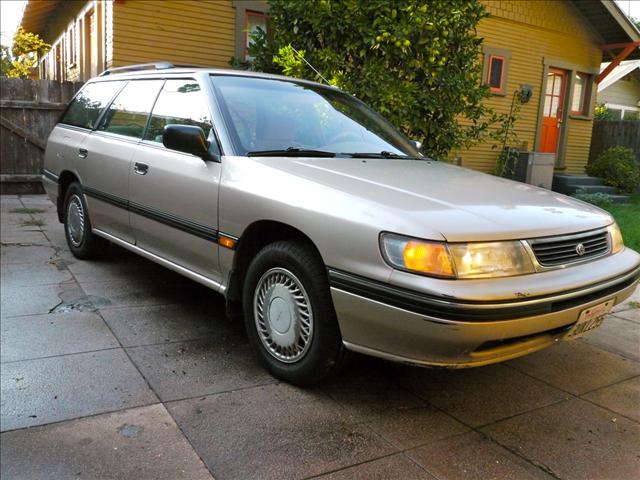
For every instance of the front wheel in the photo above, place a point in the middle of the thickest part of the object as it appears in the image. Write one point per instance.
(289, 314)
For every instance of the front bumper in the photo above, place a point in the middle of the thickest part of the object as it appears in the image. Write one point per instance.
(413, 327)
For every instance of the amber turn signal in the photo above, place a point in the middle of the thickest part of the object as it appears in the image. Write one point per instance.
(420, 256)
(428, 258)
(227, 242)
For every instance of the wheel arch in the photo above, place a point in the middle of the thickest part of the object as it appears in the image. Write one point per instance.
(255, 237)
(67, 177)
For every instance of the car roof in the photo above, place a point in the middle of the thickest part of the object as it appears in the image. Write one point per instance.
(167, 70)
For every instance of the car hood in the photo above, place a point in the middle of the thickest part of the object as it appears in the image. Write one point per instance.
(431, 199)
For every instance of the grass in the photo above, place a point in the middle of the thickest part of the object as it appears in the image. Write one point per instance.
(27, 211)
(33, 222)
(628, 218)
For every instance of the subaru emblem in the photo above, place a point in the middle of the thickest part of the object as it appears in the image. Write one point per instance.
(580, 249)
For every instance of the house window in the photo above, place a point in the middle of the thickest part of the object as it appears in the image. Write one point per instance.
(253, 21)
(71, 40)
(495, 69)
(616, 114)
(495, 73)
(579, 101)
(57, 75)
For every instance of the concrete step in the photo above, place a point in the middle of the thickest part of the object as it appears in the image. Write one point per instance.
(560, 180)
(621, 199)
(571, 188)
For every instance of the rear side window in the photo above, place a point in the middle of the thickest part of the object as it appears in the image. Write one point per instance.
(85, 108)
(128, 113)
(181, 102)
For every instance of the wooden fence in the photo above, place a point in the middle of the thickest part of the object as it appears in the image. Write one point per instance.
(29, 109)
(614, 133)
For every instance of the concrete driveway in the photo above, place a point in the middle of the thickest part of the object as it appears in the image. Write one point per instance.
(119, 368)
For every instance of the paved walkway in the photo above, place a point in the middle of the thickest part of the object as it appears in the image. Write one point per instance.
(119, 368)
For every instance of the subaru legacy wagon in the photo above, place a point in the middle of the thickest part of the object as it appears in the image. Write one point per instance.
(323, 226)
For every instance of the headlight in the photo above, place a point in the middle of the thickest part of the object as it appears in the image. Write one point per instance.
(495, 259)
(461, 260)
(616, 238)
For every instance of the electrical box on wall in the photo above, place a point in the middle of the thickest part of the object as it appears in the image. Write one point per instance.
(540, 168)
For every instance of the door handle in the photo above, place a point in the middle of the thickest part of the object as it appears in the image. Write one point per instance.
(83, 152)
(141, 168)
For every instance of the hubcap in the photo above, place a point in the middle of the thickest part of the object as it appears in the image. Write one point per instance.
(75, 220)
(283, 315)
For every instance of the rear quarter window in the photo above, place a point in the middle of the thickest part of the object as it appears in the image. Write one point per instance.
(87, 105)
(128, 113)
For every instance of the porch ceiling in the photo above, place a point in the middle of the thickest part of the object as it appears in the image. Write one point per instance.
(37, 14)
(610, 22)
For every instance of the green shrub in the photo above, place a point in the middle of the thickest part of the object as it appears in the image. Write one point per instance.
(598, 199)
(617, 166)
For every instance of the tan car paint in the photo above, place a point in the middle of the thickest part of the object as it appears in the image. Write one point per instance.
(344, 203)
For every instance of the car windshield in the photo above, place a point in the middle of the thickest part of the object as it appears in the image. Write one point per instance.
(273, 116)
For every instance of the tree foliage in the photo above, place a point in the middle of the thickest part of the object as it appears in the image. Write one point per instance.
(602, 112)
(26, 50)
(5, 60)
(416, 62)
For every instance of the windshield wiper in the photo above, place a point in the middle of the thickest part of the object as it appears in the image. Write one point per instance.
(382, 154)
(291, 152)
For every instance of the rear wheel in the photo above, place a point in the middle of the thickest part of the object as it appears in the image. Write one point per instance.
(289, 314)
(77, 225)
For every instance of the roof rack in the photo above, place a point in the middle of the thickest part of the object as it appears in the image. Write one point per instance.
(145, 66)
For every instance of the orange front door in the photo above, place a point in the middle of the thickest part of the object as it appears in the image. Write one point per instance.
(553, 109)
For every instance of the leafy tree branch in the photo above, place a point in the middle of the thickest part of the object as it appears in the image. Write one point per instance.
(26, 50)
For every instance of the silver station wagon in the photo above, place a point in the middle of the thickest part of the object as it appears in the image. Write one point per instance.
(323, 226)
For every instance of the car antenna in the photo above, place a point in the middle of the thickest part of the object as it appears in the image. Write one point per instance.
(310, 66)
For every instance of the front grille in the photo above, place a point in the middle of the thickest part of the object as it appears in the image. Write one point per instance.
(554, 251)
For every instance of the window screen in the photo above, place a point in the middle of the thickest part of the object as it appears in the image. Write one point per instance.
(579, 94)
(128, 113)
(496, 67)
(253, 21)
(89, 103)
(181, 102)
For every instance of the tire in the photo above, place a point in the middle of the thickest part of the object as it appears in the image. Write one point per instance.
(82, 242)
(302, 345)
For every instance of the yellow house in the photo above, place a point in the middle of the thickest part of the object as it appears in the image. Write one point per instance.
(88, 37)
(553, 46)
(556, 48)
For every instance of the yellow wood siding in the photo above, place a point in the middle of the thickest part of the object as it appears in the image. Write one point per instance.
(534, 31)
(578, 145)
(193, 32)
(108, 35)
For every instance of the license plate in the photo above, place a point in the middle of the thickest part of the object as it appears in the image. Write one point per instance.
(590, 318)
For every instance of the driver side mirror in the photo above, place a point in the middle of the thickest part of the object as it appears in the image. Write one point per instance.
(417, 144)
(187, 139)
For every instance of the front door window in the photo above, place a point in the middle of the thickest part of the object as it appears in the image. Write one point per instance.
(553, 110)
